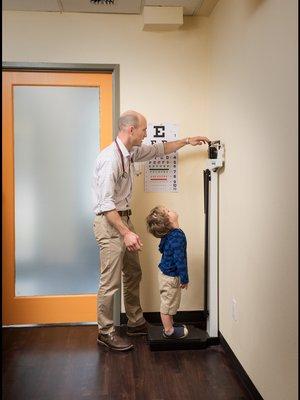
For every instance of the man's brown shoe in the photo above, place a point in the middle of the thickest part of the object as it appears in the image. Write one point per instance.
(114, 341)
(137, 330)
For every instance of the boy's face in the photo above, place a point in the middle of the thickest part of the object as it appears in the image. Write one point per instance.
(173, 216)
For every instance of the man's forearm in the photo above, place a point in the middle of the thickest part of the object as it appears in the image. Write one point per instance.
(170, 147)
(131, 239)
(114, 219)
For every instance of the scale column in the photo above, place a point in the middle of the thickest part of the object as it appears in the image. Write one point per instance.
(213, 256)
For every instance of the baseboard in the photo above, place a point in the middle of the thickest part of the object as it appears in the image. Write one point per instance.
(192, 317)
(242, 374)
(53, 325)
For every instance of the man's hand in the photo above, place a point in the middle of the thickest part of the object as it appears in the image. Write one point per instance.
(198, 140)
(184, 285)
(132, 241)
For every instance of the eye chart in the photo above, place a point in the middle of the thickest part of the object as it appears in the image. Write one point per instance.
(161, 172)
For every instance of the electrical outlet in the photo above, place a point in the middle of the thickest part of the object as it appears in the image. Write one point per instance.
(234, 309)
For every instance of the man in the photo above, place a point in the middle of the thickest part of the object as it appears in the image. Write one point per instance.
(114, 232)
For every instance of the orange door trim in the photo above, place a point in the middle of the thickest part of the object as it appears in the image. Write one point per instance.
(42, 309)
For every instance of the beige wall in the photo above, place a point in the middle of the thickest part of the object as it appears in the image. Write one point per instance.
(253, 110)
(164, 76)
(232, 77)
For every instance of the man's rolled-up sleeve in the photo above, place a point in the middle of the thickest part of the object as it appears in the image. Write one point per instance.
(106, 182)
(146, 152)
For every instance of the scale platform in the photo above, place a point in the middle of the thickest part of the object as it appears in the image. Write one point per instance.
(196, 339)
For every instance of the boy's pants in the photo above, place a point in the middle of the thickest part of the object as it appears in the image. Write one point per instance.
(170, 293)
(114, 259)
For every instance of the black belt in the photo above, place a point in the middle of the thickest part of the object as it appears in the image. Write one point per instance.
(124, 213)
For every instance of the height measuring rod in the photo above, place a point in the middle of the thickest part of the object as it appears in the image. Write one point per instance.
(211, 207)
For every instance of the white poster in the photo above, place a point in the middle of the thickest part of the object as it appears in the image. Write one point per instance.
(161, 172)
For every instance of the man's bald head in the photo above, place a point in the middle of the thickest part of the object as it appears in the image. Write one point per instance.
(130, 118)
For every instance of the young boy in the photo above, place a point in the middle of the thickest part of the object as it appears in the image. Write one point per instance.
(173, 274)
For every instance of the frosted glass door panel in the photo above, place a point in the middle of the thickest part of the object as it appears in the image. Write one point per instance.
(56, 135)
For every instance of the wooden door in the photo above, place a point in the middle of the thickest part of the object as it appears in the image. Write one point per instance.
(42, 309)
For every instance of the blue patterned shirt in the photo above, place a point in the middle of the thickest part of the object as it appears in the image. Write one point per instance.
(174, 259)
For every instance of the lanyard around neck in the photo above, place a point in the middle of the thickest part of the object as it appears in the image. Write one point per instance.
(122, 159)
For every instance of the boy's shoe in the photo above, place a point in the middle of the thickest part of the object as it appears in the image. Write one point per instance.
(137, 330)
(180, 332)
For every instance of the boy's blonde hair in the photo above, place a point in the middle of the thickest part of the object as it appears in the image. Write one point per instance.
(158, 222)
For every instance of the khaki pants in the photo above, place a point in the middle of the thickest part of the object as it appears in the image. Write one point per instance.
(170, 293)
(114, 260)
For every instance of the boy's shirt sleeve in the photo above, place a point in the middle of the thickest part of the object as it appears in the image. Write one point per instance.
(178, 245)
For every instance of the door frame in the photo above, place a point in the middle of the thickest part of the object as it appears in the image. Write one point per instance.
(114, 70)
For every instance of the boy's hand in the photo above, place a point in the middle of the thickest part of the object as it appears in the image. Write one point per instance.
(184, 285)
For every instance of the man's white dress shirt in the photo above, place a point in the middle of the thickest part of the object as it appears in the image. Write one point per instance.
(111, 188)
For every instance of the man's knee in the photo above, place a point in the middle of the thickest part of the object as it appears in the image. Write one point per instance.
(132, 278)
(109, 288)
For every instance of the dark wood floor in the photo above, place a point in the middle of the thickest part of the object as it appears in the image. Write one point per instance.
(62, 363)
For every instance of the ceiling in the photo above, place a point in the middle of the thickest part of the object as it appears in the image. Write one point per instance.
(190, 7)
